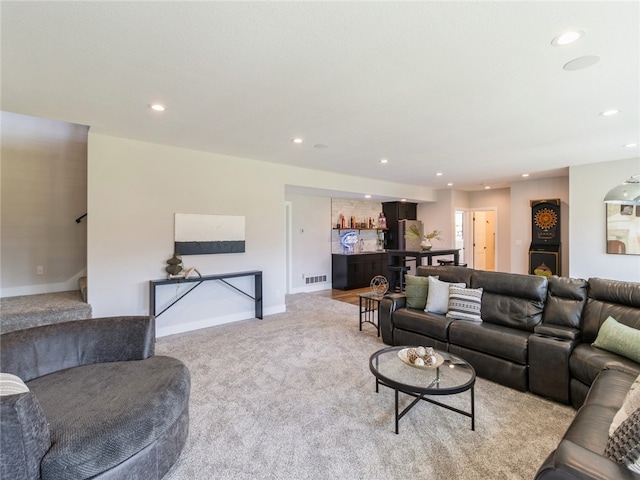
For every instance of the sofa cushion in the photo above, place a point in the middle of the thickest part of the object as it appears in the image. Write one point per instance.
(610, 298)
(586, 362)
(464, 303)
(624, 445)
(438, 297)
(447, 273)
(618, 338)
(631, 404)
(610, 389)
(507, 343)
(427, 324)
(416, 290)
(566, 298)
(510, 299)
(102, 414)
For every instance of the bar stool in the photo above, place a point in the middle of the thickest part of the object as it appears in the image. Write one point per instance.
(445, 262)
(399, 271)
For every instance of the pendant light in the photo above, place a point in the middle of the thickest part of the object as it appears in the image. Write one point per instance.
(627, 193)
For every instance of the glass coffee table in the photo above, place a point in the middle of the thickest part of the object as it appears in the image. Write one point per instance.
(453, 376)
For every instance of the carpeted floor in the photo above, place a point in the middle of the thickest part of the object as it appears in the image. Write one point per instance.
(292, 397)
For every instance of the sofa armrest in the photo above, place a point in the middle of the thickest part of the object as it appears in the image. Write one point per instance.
(24, 438)
(34, 352)
(388, 305)
(571, 461)
(566, 333)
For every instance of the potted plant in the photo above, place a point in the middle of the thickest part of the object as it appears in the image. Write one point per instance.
(413, 233)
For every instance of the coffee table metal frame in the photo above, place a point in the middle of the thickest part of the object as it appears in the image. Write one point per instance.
(433, 387)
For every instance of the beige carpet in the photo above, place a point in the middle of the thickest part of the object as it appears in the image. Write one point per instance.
(292, 397)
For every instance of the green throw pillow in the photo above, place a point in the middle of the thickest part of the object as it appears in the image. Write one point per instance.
(416, 290)
(618, 338)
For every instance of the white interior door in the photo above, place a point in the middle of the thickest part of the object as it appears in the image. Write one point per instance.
(484, 240)
(479, 240)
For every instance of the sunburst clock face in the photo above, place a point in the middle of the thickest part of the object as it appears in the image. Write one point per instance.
(546, 218)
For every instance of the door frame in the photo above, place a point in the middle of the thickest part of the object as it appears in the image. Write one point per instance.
(495, 233)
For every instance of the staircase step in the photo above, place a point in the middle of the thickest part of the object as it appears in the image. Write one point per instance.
(26, 311)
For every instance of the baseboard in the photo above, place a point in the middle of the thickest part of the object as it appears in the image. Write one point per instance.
(316, 287)
(71, 284)
(212, 322)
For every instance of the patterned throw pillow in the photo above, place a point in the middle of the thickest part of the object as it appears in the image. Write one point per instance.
(465, 303)
(624, 445)
(11, 384)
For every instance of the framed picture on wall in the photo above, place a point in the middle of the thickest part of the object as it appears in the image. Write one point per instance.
(623, 229)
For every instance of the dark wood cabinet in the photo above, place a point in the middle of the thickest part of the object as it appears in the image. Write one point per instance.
(349, 271)
(394, 211)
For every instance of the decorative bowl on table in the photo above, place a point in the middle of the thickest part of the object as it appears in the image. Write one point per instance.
(421, 357)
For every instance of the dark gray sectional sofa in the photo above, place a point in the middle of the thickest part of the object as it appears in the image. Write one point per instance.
(536, 334)
(100, 404)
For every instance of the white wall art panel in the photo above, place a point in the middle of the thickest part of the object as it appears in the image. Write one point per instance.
(197, 234)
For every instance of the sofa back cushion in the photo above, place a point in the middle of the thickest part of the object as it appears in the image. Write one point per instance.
(38, 351)
(566, 298)
(446, 273)
(510, 299)
(610, 298)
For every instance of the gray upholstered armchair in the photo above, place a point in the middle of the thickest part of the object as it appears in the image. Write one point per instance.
(99, 403)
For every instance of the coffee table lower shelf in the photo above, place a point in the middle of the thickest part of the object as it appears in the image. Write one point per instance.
(419, 397)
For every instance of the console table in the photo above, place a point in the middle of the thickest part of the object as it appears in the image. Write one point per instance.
(222, 277)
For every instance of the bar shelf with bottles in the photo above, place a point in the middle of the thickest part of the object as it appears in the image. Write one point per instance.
(368, 224)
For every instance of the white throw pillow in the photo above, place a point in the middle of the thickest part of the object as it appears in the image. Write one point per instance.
(11, 384)
(438, 296)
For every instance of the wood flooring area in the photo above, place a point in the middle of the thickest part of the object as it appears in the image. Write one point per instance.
(347, 296)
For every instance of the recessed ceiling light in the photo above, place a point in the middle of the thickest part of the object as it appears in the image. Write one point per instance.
(629, 145)
(608, 113)
(581, 62)
(367, 196)
(487, 187)
(567, 37)
(439, 174)
(449, 184)
(403, 199)
(157, 107)
(384, 160)
(297, 140)
(525, 174)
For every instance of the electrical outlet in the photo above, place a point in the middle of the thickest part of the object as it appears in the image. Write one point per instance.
(39, 270)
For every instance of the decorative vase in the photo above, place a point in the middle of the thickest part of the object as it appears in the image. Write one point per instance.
(426, 244)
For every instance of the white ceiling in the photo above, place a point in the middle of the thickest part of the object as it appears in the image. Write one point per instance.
(474, 90)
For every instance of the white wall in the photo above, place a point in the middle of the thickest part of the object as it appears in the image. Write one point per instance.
(310, 241)
(521, 195)
(44, 189)
(588, 184)
(135, 188)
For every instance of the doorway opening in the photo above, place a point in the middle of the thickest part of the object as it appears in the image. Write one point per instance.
(484, 239)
